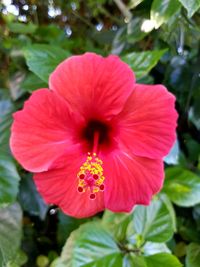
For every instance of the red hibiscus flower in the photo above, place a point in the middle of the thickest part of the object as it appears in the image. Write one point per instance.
(96, 139)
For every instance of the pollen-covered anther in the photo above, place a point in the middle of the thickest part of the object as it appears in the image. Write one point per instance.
(90, 176)
(101, 187)
(92, 196)
(95, 176)
(82, 176)
(80, 189)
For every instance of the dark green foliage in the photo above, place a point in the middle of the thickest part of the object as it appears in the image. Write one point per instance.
(160, 41)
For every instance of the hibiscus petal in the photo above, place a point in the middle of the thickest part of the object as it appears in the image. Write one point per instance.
(131, 180)
(93, 85)
(59, 186)
(148, 121)
(42, 131)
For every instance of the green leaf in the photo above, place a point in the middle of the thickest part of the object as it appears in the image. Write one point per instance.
(193, 255)
(91, 245)
(151, 248)
(10, 232)
(6, 109)
(142, 62)
(133, 261)
(32, 82)
(30, 199)
(134, 3)
(135, 31)
(113, 260)
(173, 155)
(9, 180)
(57, 263)
(43, 59)
(116, 223)
(66, 225)
(52, 33)
(162, 260)
(19, 260)
(23, 28)
(162, 11)
(191, 5)
(154, 222)
(5, 124)
(182, 186)
(170, 208)
(193, 117)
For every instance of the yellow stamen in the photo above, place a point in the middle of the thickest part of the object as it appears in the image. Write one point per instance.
(90, 176)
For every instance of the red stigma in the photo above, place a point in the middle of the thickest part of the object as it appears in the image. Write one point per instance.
(101, 187)
(92, 196)
(81, 176)
(80, 189)
(96, 177)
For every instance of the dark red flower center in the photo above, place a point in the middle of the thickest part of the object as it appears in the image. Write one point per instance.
(94, 126)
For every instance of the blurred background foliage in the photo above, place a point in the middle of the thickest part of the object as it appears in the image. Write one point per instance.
(160, 41)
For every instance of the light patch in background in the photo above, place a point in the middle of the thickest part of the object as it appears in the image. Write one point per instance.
(10, 8)
(68, 31)
(6, 2)
(73, 6)
(114, 28)
(25, 7)
(173, 156)
(54, 12)
(22, 18)
(99, 26)
(147, 25)
(194, 119)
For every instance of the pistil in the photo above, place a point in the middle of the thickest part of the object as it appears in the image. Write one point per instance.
(90, 175)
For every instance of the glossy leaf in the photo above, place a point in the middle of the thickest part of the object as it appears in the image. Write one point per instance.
(173, 156)
(134, 261)
(32, 82)
(91, 245)
(10, 232)
(191, 5)
(9, 180)
(66, 225)
(142, 62)
(182, 186)
(19, 260)
(136, 30)
(42, 59)
(162, 260)
(153, 223)
(134, 3)
(113, 260)
(151, 248)
(5, 123)
(170, 208)
(193, 255)
(156, 260)
(193, 118)
(30, 199)
(116, 223)
(162, 11)
(6, 109)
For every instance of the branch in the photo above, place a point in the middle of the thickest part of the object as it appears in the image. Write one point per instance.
(124, 10)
